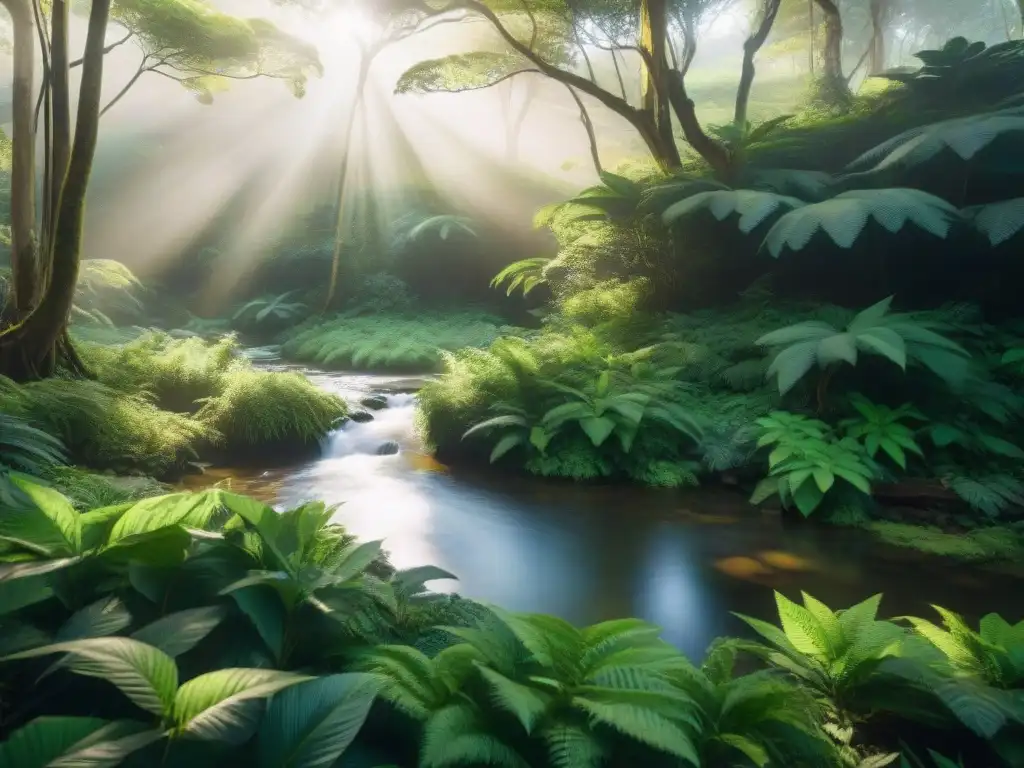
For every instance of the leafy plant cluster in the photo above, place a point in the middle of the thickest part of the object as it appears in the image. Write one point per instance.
(156, 402)
(387, 341)
(942, 197)
(829, 406)
(206, 628)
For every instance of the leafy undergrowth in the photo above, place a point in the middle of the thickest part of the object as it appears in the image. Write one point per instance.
(992, 544)
(819, 403)
(208, 629)
(387, 342)
(158, 402)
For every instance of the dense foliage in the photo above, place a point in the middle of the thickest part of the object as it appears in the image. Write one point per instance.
(157, 403)
(191, 629)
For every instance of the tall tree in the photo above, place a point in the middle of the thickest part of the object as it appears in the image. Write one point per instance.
(616, 27)
(46, 253)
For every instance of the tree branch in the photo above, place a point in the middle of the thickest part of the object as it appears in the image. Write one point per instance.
(108, 49)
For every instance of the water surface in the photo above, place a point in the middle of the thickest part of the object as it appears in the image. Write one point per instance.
(683, 560)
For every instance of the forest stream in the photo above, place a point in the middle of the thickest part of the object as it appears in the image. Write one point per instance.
(681, 559)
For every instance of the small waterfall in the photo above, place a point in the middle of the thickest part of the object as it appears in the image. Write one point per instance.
(392, 423)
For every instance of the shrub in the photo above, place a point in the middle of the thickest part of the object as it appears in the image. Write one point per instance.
(231, 633)
(261, 412)
(103, 427)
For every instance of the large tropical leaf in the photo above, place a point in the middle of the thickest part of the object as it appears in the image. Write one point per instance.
(225, 705)
(754, 207)
(845, 217)
(144, 674)
(74, 742)
(999, 221)
(48, 525)
(310, 725)
(180, 632)
(963, 136)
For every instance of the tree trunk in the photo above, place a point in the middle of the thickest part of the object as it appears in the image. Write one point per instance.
(339, 240)
(61, 96)
(753, 44)
(832, 55)
(654, 39)
(41, 343)
(879, 11)
(24, 266)
(715, 154)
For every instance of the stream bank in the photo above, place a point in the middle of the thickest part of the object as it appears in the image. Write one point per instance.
(682, 559)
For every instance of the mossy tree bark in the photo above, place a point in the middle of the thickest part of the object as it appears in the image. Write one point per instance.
(34, 342)
(832, 53)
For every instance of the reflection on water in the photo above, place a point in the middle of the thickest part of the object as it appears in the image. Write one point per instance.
(589, 553)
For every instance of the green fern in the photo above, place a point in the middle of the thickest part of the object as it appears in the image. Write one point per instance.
(1000, 221)
(989, 494)
(526, 274)
(843, 657)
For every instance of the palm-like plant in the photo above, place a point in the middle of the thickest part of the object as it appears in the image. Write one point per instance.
(269, 308)
(897, 338)
(807, 460)
(882, 429)
(844, 218)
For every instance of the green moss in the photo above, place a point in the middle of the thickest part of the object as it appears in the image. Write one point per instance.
(158, 402)
(107, 428)
(177, 372)
(981, 544)
(261, 411)
(387, 342)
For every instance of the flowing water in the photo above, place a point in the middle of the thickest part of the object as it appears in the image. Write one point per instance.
(683, 560)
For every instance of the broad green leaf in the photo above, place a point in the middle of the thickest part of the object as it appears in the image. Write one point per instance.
(104, 617)
(597, 428)
(144, 674)
(192, 510)
(505, 444)
(267, 613)
(311, 724)
(225, 705)
(180, 632)
(73, 742)
(50, 527)
(357, 560)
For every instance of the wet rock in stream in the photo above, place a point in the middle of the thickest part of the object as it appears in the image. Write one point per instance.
(360, 416)
(389, 448)
(375, 402)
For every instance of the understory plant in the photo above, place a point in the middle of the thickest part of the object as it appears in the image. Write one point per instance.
(207, 628)
(407, 343)
(156, 403)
